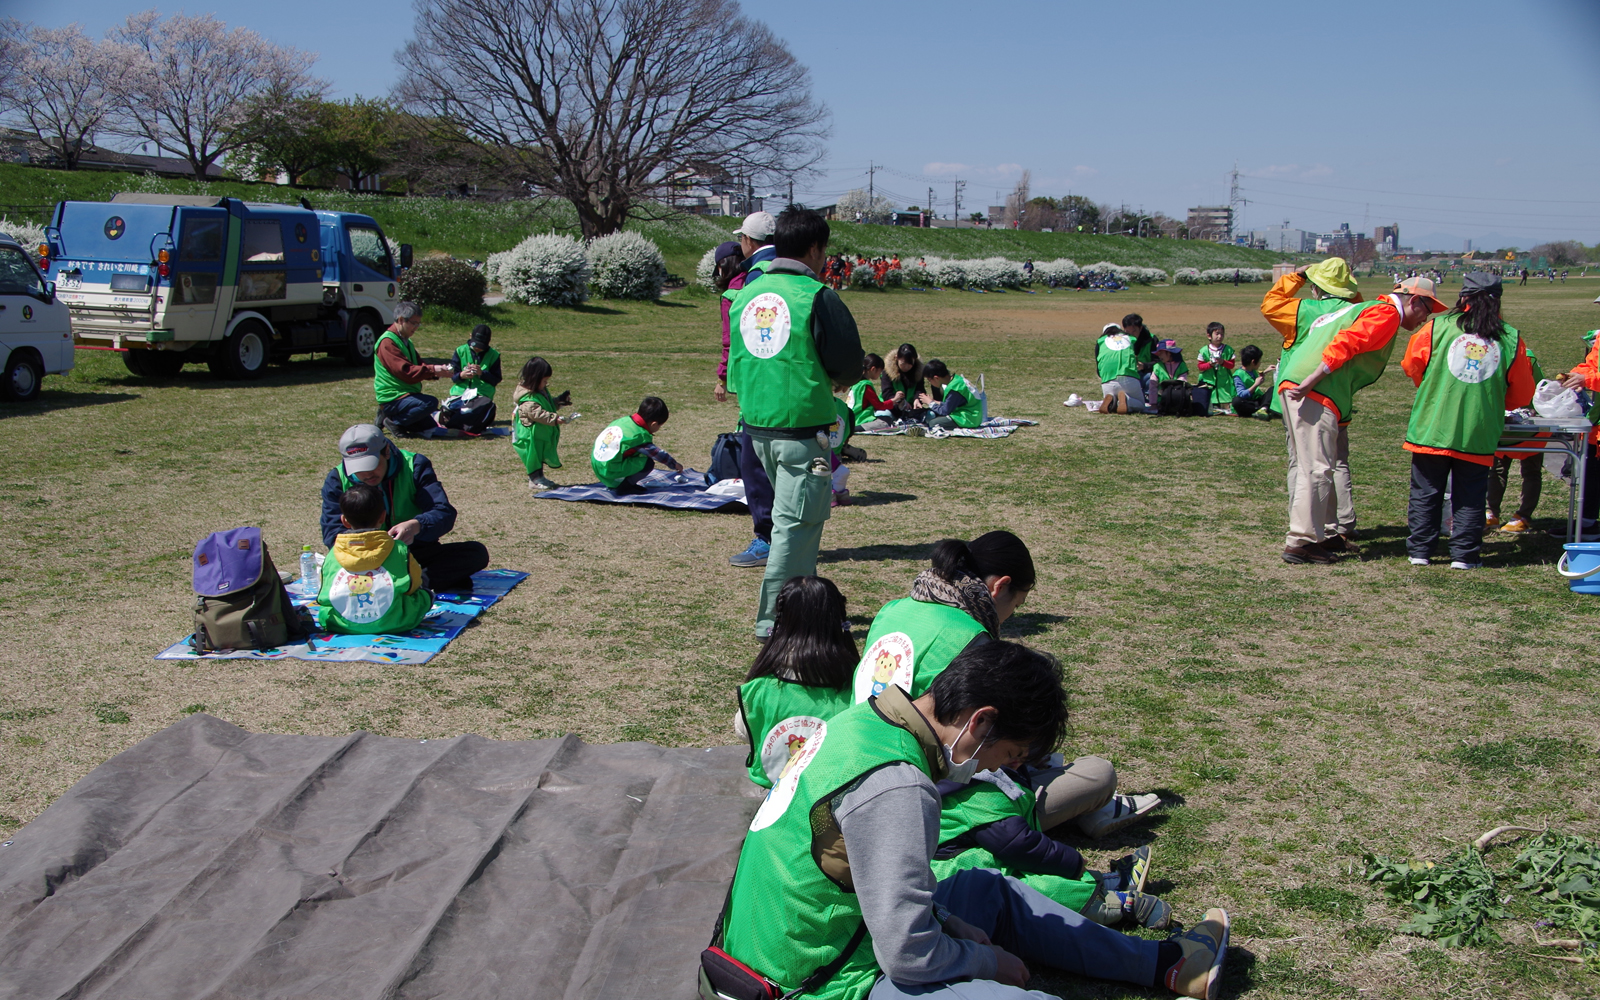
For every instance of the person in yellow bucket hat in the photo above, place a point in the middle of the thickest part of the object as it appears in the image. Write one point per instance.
(1340, 354)
(1331, 287)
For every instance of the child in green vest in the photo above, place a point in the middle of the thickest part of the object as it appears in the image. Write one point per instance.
(625, 452)
(474, 371)
(844, 425)
(960, 406)
(536, 428)
(1250, 384)
(799, 680)
(1216, 363)
(371, 583)
(1168, 364)
(865, 405)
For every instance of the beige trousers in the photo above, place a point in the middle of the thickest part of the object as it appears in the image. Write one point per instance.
(1344, 503)
(1068, 792)
(1313, 431)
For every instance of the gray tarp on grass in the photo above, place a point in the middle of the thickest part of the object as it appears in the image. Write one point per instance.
(212, 862)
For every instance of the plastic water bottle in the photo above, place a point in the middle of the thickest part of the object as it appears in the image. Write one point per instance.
(309, 584)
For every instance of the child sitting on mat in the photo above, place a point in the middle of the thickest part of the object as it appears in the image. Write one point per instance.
(800, 679)
(371, 583)
(625, 452)
(1168, 363)
(1250, 384)
(474, 368)
(960, 406)
(536, 428)
(863, 397)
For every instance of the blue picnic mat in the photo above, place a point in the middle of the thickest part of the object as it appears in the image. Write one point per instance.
(660, 491)
(451, 613)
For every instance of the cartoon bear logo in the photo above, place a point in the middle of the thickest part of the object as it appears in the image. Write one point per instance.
(788, 778)
(890, 659)
(1118, 342)
(362, 597)
(765, 318)
(1472, 360)
(608, 444)
(764, 325)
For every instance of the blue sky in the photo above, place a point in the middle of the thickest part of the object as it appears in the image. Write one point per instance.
(1468, 120)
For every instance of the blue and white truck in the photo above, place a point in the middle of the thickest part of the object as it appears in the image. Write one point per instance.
(173, 279)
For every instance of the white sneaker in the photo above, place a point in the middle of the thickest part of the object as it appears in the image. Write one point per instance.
(1119, 812)
(1417, 561)
(1073, 400)
(1466, 565)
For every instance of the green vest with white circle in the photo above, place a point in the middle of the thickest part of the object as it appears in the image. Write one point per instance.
(1114, 357)
(980, 803)
(1461, 403)
(536, 443)
(614, 457)
(857, 398)
(464, 358)
(970, 413)
(773, 363)
(787, 917)
(910, 643)
(1339, 387)
(384, 385)
(399, 486)
(780, 716)
(375, 602)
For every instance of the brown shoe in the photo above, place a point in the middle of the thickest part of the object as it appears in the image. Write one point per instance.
(1307, 553)
(1341, 544)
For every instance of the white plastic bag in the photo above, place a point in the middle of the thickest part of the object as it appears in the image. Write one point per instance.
(1551, 400)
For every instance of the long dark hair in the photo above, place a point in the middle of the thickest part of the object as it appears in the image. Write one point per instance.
(535, 369)
(905, 352)
(810, 641)
(997, 553)
(727, 267)
(1479, 309)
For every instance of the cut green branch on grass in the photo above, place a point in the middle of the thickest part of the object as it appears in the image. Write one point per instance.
(1454, 899)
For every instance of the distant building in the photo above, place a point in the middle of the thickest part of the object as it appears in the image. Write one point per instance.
(17, 146)
(1211, 222)
(1353, 247)
(1387, 238)
(703, 189)
(1284, 239)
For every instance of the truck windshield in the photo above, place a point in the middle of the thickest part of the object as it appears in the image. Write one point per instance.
(367, 246)
(17, 276)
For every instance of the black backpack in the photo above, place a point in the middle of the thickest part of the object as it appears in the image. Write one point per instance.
(1177, 398)
(725, 453)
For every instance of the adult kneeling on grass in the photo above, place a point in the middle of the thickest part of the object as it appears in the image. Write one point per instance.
(417, 510)
(834, 887)
(795, 340)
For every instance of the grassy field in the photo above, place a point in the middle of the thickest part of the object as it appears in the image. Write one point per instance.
(1292, 717)
(471, 229)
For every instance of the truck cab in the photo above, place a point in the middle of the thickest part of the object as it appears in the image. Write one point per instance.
(172, 279)
(35, 331)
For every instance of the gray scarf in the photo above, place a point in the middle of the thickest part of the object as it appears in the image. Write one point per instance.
(967, 593)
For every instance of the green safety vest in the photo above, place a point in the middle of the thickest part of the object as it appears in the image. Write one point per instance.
(910, 643)
(780, 716)
(1160, 374)
(773, 365)
(980, 803)
(464, 357)
(399, 487)
(844, 425)
(970, 414)
(384, 385)
(1356, 374)
(536, 443)
(751, 273)
(857, 399)
(792, 909)
(1219, 378)
(366, 598)
(616, 456)
(1461, 403)
(1308, 312)
(1115, 358)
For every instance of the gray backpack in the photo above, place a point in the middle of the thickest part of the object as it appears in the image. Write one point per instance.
(239, 601)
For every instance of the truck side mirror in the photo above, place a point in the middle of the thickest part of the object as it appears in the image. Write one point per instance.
(49, 291)
(405, 256)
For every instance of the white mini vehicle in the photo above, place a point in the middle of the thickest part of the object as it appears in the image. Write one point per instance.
(35, 329)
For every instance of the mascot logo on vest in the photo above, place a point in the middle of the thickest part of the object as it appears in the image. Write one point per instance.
(1118, 342)
(608, 444)
(784, 744)
(891, 659)
(764, 325)
(777, 801)
(836, 433)
(362, 597)
(1472, 360)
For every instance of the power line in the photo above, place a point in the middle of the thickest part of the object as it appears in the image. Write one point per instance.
(1414, 194)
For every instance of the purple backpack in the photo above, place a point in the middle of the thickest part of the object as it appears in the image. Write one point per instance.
(239, 600)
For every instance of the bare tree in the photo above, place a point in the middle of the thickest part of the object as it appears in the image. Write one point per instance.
(186, 83)
(58, 90)
(1017, 200)
(601, 99)
(1561, 253)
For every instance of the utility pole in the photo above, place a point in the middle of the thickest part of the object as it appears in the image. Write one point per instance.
(1234, 199)
(791, 190)
(959, 184)
(928, 208)
(871, 170)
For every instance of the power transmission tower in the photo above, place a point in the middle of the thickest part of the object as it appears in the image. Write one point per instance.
(959, 184)
(1234, 199)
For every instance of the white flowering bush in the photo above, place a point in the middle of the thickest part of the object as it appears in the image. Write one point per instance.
(705, 272)
(993, 272)
(25, 233)
(1128, 274)
(949, 273)
(863, 276)
(1055, 273)
(895, 277)
(626, 266)
(492, 266)
(545, 270)
(1224, 275)
(915, 275)
(1186, 276)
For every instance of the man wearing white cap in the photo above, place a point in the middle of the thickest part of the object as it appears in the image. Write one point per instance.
(419, 512)
(1341, 353)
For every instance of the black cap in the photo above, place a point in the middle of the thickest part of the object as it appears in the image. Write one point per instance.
(479, 336)
(1480, 281)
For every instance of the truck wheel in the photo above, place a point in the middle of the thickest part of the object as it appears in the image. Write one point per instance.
(23, 375)
(244, 354)
(363, 339)
(154, 364)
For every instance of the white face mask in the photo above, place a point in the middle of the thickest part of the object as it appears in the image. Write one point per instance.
(961, 773)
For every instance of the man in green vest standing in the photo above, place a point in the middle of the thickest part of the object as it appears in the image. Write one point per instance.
(1343, 352)
(791, 340)
(417, 509)
(397, 371)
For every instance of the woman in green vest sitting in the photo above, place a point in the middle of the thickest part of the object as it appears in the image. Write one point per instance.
(800, 679)
(475, 368)
(902, 382)
(959, 603)
(960, 406)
